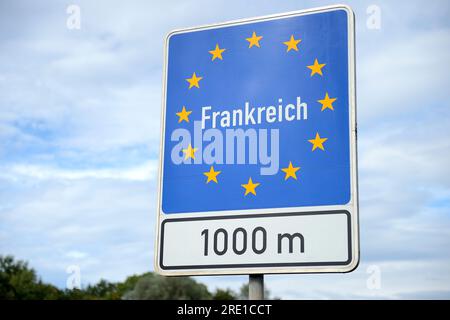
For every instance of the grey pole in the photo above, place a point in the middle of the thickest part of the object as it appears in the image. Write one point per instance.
(256, 287)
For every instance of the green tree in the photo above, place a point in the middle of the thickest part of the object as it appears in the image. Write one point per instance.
(227, 294)
(18, 281)
(75, 294)
(155, 287)
(103, 290)
(129, 284)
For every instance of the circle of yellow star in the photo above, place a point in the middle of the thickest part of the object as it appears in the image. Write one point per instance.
(212, 175)
(189, 152)
(290, 171)
(250, 187)
(327, 102)
(193, 81)
(316, 68)
(183, 115)
(292, 44)
(254, 40)
(317, 142)
(217, 53)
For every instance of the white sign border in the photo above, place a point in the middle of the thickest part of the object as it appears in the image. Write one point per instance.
(351, 206)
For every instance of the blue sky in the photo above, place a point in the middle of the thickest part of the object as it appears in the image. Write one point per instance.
(79, 139)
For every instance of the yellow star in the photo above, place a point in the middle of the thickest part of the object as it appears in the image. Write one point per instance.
(212, 175)
(292, 44)
(250, 187)
(189, 152)
(217, 52)
(290, 171)
(318, 142)
(183, 115)
(193, 82)
(316, 68)
(327, 103)
(254, 40)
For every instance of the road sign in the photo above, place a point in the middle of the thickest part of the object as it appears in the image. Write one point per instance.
(258, 154)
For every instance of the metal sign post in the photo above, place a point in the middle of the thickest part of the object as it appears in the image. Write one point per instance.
(256, 287)
(258, 148)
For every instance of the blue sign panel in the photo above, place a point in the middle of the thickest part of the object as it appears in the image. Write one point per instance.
(258, 116)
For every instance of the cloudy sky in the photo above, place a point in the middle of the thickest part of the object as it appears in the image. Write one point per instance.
(79, 139)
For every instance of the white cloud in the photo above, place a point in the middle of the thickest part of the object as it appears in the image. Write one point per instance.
(404, 77)
(145, 172)
(76, 254)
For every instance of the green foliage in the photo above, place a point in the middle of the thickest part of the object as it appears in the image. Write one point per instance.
(226, 294)
(18, 281)
(152, 286)
(129, 284)
(243, 292)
